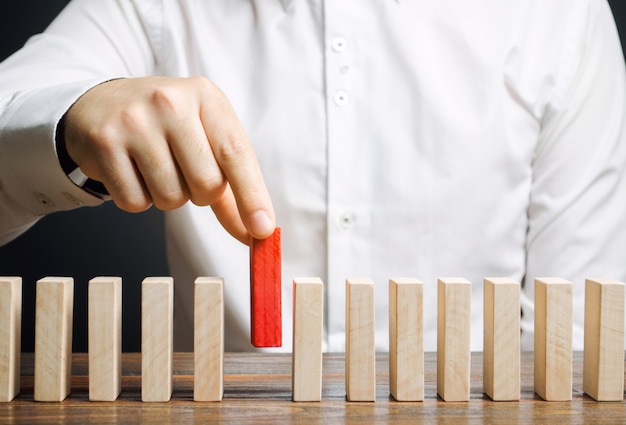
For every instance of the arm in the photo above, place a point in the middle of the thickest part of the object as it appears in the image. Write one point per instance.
(577, 211)
(90, 43)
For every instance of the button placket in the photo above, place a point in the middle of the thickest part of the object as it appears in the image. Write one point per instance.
(341, 27)
(339, 45)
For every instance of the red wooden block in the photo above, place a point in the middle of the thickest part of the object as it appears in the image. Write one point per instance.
(265, 292)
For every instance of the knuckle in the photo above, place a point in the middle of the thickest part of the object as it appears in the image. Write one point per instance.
(104, 138)
(208, 191)
(118, 128)
(170, 200)
(98, 150)
(125, 197)
(217, 102)
(132, 118)
(233, 148)
(205, 85)
(132, 204)
(207, 180)
(170, 100)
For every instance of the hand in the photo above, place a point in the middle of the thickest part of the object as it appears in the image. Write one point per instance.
(164, 141)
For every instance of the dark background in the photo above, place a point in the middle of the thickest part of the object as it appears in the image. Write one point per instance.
(84, 243)
(97, 241)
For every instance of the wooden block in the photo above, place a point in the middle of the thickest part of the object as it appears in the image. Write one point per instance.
(157, 314)
(10, 336)
(553, 339)
(208, 384)
(453, 338)
(603, 359)
(308, 328)
(360, 340)
(53, 338)
(406, 339)
(265, 291)
(105, 338)
(501, 352)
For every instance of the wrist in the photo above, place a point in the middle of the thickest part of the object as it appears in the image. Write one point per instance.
(71, 169)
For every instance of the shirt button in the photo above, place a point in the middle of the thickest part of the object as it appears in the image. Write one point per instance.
(44, 200)
(339, 44)
(73, 199)
(341, 98)
(347, 220)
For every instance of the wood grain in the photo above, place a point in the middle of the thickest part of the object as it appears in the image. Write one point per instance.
(10, 336)
(603, 365)
(553, 338)
(208, 339)
(257, 389)
(53, 338)
(406, 339)
(105, 338)
(453, 338)
(501, 353)
(157, 342)
(360, 340)
(308, 330)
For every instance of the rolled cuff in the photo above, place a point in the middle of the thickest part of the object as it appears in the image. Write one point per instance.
(30, 173)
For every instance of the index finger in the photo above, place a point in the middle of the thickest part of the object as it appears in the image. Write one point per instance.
(235, 155)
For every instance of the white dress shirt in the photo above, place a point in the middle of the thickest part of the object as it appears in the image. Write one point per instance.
(474, 138)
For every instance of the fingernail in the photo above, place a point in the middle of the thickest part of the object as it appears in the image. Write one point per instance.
(261, 223)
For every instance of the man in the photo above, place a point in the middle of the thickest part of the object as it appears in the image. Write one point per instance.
(477, 138)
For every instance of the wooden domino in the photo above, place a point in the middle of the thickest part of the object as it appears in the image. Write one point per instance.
(603, 358)
(603, 361)
(208, 384)
(53, 338)
(553, 339)
(406, 339)
(453, 338)
(10, 332)
(157, 314)
(308, 328)
(360, 340)
(265, 291)
(105, 338)
(501, 352)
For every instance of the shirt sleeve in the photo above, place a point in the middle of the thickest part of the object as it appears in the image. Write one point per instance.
(88, 43)
(577, 209)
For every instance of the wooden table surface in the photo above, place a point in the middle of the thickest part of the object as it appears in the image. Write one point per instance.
(257, 390)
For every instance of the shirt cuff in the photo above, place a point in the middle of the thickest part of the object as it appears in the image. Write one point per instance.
(30, 173)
